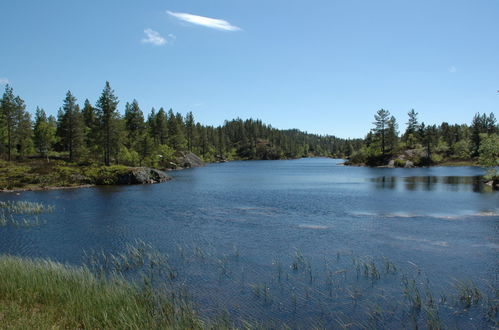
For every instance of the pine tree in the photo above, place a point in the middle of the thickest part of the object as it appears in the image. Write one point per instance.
(71, 127)
(410, 135)
(176, 138)
(24, 129)
(9, 117)
(134, 123)
(161, 127)
(392, 134)
(43, 133)
(91, 125)
(189, 129)
(381, 122)
(478, 126)
(108, 117)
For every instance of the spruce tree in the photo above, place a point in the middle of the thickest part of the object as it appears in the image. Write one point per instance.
(108, 117)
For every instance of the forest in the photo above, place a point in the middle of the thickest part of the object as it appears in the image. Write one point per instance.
(424, 145)
(100, 134)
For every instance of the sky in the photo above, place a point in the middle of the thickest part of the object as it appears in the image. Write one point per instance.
(322, 66)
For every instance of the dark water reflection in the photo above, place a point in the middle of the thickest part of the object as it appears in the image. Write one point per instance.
(234, 231)
(429, 183)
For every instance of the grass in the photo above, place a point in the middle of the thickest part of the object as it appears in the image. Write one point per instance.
(47, 295)
(22, 213)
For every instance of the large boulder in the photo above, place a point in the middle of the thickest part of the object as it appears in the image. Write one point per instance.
(187, 160)
(142, 175)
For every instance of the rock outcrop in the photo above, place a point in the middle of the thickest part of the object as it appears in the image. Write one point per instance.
(143, 175)
(187, 160)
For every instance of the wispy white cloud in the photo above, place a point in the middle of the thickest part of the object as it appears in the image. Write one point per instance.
(453, 69)
(4, 81)
(153, 37)
(213, 23)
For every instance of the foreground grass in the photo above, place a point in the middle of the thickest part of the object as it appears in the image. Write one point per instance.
(41, 294)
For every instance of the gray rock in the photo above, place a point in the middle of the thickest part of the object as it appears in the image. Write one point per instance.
(408, 164)
(187, 160)
(142, 175)
(391, 163)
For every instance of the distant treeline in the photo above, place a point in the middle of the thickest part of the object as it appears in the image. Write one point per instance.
(429, 144)
(101, 134)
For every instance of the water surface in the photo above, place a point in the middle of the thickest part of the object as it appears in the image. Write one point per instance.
(234, 232)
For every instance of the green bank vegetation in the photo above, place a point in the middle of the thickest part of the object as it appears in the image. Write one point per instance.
(424, 145)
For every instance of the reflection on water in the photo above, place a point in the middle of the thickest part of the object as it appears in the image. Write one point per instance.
(288, 240)
(429, 183)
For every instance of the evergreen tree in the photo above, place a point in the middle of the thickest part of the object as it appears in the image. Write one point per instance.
(176, 138)
(9, 118)
(108, 118)
(91, 125)
(134, 122)
(161, 127)
(24, 129)
(189, 129)
(382, 118)
(43, 133)
(71, 127)
(478, 126)
(410, 135)
(392, 134)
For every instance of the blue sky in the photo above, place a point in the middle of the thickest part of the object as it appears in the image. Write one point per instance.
(321, 66)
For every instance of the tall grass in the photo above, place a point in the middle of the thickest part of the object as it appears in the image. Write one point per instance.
(22, 213)
(44, 294)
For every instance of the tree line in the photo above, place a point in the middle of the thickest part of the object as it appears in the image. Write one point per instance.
(101, 134)
(430, 144)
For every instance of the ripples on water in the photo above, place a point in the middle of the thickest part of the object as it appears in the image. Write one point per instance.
(289, 241)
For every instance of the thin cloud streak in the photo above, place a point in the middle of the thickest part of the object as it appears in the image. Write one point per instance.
(153, 37)
(213, 23)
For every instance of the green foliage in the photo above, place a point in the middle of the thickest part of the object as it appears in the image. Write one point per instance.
(399, 162)
(489, 150)
(105, 175)
(128, 157)
(461, 149)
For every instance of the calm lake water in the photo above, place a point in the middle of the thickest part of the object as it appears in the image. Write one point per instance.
(295, 240)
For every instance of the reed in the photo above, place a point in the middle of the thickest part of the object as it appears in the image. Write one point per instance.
(44, 294)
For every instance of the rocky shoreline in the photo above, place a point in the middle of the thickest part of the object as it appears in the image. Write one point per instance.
(115, 176)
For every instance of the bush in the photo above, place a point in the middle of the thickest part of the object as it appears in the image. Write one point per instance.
(106, 174)
(399, 162)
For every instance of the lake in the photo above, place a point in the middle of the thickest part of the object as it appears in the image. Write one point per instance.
(304, 242)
